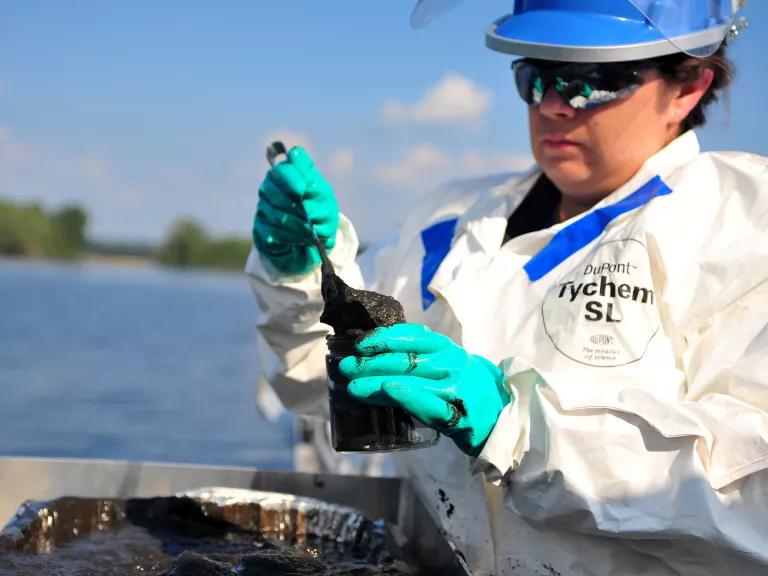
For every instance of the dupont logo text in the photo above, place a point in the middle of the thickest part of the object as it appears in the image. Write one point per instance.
(604, 312)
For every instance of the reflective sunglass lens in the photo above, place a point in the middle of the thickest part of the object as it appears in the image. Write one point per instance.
(537, 91)
(524, 80)
(579, 86)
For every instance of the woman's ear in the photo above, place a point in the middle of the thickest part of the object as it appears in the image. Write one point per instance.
(686, 95)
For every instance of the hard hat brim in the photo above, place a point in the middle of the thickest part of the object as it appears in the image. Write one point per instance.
(570, 36)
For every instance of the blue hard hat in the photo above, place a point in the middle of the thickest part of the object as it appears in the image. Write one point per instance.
(602, 30)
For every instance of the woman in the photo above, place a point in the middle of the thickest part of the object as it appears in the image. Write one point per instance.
(594, 334)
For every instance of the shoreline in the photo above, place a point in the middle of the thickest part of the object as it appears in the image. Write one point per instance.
(120, 261)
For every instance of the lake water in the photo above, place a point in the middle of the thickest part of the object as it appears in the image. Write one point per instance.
(131, 363)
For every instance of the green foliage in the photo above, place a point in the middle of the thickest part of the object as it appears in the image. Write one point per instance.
(68, 225)
(185, 244)
(27, 230)
(229, 253)
(188, 244)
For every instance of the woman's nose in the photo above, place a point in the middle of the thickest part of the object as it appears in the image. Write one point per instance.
(552, 105)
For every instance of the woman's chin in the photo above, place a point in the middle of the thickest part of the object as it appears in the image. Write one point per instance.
(567, 175)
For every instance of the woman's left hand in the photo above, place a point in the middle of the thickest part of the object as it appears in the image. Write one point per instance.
(432, 378)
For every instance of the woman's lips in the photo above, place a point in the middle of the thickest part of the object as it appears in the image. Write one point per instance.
(559, 143)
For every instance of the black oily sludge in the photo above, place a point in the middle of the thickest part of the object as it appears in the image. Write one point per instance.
(358, 427)
(350, 311)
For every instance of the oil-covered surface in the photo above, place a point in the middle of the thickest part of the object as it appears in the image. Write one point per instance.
(351, 312)
(209, 532)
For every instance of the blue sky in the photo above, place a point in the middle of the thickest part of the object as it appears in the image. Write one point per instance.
(151, 110)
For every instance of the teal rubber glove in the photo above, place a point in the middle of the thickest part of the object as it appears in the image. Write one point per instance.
(428, 375)
(295, 204)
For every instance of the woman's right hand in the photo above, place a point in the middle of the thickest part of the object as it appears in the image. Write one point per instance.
(296, 204)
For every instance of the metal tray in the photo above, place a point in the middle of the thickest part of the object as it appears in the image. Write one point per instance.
(297, 504)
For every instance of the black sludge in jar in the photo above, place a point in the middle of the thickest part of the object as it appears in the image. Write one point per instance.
(355, 426)
(358, 427)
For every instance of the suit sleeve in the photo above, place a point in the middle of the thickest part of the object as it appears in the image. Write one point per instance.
(291, 339)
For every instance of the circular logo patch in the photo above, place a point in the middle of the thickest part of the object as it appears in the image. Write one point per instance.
(603, 313)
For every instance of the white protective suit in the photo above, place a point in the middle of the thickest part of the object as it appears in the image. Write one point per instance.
(635, 340)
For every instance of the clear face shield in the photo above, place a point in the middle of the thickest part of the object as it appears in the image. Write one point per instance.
(696, 27)
(428, 10)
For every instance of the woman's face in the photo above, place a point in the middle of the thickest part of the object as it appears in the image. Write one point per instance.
(590, 153)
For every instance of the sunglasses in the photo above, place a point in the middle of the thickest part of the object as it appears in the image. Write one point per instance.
(581, 86)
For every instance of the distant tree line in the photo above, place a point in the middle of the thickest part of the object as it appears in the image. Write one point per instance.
(188, 244)
(27, 230)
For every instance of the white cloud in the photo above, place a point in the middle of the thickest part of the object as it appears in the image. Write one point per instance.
(374, 196)
(341, 162)
(95, 168)
(475, 162)
(13, 155)
(24, 167)
(5, 135)
(424, 166)
(455, 99)
(57, 176)
(418, 160)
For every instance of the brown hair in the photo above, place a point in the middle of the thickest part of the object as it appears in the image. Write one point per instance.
(681, 68)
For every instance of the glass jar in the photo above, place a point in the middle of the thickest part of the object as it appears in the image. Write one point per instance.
(358, 427)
